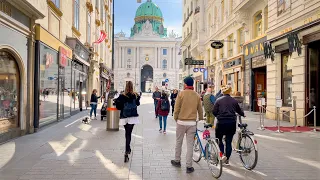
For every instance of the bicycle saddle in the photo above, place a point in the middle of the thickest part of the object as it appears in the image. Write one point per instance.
(243, 125)
(207, 125)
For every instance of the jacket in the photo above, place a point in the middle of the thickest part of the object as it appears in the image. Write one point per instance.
(188, 106)
(225, 109)
(94, 99)
(122, 99)
(161, 112)
(208, 102)
(173, 98)
(155, 95)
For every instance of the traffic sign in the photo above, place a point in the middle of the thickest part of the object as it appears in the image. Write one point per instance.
(167, 80)
(190, 61)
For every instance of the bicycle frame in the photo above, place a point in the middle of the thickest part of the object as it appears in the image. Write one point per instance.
(241, 133)
(199, 140)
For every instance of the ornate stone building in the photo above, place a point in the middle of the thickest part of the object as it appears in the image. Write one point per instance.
(149, 57)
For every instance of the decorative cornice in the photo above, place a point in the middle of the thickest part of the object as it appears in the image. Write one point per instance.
(89, 7)
(54, 8)
(140, 18)
(75, 31)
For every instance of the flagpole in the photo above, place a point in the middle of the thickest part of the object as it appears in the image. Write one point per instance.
(112, 60)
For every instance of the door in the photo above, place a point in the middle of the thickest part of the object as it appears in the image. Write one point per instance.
(260, 87)
(80, 95)
(312, 83)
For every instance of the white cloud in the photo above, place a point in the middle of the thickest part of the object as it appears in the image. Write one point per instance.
(176, 29)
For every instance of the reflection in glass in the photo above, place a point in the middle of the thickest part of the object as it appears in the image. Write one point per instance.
(286, 80)
(9, 91)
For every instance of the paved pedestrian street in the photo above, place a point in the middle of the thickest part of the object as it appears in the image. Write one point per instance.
(72, 150)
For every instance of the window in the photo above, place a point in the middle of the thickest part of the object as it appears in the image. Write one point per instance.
(222, 10)
(88, 27)
(76, 11)
(257, 29)
(230, 45)
(266, 19)
(129, 51)
(240, 40)
(164, 51)
(129, 64)
(180, 76)
(180, 64)
(56, 2)
(164, 64)
(286, 79)
(283, 6)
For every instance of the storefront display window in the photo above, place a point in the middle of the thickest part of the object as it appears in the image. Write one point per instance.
(286, 80)
(230, 81)
(9, 91)
(239, 82)
(48, 83)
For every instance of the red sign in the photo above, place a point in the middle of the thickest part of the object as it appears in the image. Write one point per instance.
(63, 57)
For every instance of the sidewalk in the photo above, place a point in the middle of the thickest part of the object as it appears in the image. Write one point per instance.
(72, 150)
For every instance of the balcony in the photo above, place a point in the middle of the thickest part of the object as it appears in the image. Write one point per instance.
(197, 10)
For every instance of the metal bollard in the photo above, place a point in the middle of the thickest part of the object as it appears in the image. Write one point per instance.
(261, 128)
(278, 121)
(263, 113)
(314, 119)
(294, 106)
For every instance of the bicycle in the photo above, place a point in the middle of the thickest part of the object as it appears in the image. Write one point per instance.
(210, 151)
(244, 150)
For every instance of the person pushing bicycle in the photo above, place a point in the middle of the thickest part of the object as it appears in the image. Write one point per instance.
(225, 110)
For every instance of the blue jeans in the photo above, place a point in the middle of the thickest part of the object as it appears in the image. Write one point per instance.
(93, 109)
(164, 122)
(155, 106)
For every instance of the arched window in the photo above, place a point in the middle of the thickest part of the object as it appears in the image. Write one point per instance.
(164, 64)
(129, 64)
(257, 24)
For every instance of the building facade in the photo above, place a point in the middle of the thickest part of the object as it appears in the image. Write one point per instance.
(70, 56)
(293, 64)
(16, 72)
(150, 56)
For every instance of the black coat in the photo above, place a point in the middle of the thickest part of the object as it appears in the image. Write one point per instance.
(173, 98)
(122, 99)
(225, 109)
(94, 98)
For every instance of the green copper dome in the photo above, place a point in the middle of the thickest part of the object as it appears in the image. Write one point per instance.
(149, 9)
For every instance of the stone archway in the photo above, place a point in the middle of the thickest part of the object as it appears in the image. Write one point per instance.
(146, 78)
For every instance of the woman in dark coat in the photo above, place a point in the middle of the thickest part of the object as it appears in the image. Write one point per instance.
(94, 103)
(173, 99)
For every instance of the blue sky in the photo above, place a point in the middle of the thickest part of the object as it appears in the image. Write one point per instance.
(125, 11)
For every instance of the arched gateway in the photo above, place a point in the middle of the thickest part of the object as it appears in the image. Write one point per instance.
(146, 78)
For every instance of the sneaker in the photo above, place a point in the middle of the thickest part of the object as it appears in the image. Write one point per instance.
(190, 169)
(224, 159)
(160, 130)
(164, 132)
(176, 163)
(227, 162)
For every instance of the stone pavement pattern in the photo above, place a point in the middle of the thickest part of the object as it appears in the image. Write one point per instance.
(72, 150)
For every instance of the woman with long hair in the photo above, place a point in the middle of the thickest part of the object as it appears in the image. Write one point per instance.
(162, 111)
(127, 103)
(94, 103)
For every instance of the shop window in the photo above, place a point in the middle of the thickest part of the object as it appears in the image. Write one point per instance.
(56, 3)
(257, 29)
(231, 81)
(230, 45)
(164, 51)
(240, 40)
(239, 82)
(164, 64)
(129, 65)
(89, 27)
(286, 80)
(9, 91)
(283, 6)
(76, 14)
(129, 51)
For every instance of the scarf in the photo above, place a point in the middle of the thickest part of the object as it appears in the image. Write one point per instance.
(189, 87)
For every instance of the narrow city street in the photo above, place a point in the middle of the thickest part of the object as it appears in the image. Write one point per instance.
(72, 150)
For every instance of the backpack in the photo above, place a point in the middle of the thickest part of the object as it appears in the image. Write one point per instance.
(164, 106)
(130, 109)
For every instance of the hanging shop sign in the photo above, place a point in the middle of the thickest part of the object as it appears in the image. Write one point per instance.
(217, 45)
(255, 48)
(268, 50)
(294, 43)
(190, 61)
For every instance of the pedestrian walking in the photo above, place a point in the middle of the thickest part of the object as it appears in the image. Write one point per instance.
(208, 102)
(225, 110)
(173, 98)
(187, 108)
(163, 109)
(127, 103)
(156, 97)
(94, 104)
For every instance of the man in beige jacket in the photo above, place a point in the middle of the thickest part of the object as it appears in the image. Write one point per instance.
(187, 109)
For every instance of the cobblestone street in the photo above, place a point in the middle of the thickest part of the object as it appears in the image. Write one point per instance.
(72, 150)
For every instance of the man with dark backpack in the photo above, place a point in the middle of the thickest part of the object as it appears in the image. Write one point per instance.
(163, 109)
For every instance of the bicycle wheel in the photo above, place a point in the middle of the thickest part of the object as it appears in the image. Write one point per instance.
(248, 152)
(197, 152)
(213, 158)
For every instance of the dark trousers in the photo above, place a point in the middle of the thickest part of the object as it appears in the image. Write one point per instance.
(227, 129)
(128, 129)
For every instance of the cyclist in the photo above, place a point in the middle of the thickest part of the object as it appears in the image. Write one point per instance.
(225, 110)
